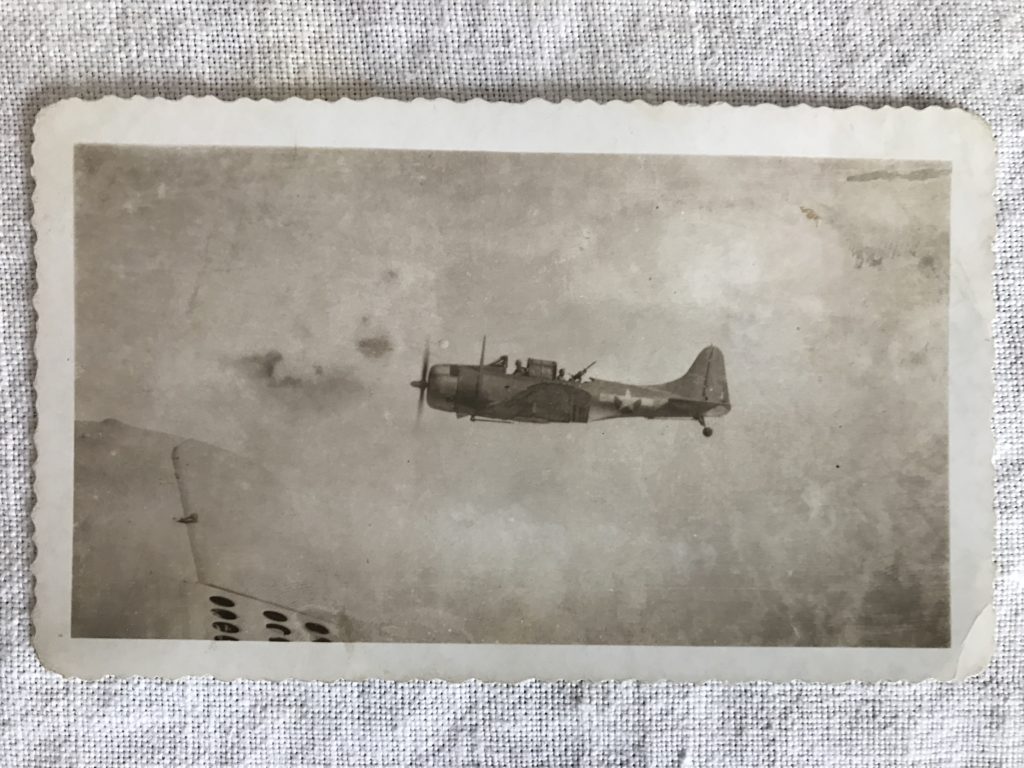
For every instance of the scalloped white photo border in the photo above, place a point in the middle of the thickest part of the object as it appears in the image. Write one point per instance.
(937, 134)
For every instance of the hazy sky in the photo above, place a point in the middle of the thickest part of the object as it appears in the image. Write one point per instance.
(274, 303)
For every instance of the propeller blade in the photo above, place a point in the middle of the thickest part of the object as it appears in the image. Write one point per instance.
(479, 376)
(422, 384)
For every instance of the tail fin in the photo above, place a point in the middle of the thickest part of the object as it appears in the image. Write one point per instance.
(704, 382)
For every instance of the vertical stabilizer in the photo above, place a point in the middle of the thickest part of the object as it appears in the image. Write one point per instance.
(705, 381)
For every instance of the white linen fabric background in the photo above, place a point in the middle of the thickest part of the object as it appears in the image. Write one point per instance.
(837, 53)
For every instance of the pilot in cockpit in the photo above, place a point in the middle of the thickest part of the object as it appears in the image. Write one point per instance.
(520, 370)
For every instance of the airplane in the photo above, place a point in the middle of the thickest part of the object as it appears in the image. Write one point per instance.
(539, 392)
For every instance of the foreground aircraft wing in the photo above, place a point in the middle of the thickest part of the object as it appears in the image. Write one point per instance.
(167, 532)
(546, 401)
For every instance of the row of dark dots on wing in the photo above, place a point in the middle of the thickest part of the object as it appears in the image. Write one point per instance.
(227, 625)
(278, 623)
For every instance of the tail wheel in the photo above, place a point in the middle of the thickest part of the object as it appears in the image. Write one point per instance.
(707, 431)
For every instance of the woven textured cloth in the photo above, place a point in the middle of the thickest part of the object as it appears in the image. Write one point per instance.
(838, 53)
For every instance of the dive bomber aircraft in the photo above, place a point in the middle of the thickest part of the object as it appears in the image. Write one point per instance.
(540, 393)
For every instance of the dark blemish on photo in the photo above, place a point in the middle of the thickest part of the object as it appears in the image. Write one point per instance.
(920, 357)
(320, 386)
(374, 346)
(924, 174)
(265, 363)
(867, 257)
(926, 263)
(265, 367)
(810, 213)
(390, 275)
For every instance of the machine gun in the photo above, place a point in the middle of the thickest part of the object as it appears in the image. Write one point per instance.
(577, 377)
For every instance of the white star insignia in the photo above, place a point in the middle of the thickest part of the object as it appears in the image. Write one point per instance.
(625, 402)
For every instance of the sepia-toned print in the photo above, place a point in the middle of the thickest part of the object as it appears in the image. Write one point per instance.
(451, 397)
(247, 323)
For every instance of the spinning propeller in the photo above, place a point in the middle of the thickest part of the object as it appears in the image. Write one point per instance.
(479, 381)
(422, 384)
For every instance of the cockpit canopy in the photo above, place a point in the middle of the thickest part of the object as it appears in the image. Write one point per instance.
(538, 369)
(541, 369)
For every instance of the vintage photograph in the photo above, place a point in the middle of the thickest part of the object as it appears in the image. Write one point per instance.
(385, 395)
(251, 464)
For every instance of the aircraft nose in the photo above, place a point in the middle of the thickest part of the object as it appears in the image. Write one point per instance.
(441, 385)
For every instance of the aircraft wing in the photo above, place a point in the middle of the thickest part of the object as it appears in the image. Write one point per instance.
(178, 539)
(545, 401)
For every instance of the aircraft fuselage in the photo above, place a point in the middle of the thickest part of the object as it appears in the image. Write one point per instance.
(536, 394)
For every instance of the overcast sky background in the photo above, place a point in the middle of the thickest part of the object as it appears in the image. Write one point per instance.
(274, 303)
